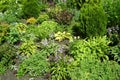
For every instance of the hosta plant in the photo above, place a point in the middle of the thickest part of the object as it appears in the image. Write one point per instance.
(28, 48)
(60, 36)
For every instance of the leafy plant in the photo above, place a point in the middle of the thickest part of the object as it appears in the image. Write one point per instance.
(96, 47)
(112, 9)
(42, 17)
(7, 56)
(63, 17)
(60, 70)
(79, 3)
(31, 20)
(93, 20)
(16, 31)
(46, 29)
(35, 65)
(113, 34)
(115, 51)
(60, 36)
(3, 32)
(30, 8)
(93, 69)
(28, 48)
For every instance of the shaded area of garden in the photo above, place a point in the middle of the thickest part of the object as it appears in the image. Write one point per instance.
(60, 40)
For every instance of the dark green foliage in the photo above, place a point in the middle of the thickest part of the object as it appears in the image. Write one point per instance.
(31, 8)
(92, 20)
(113, 35)
(7, 56)
(79, 3)
(112, 9)
(4, 27)
(115, 52)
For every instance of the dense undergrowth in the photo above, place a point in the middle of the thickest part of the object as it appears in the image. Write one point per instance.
(60, 39)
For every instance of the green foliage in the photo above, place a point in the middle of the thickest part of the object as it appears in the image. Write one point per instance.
(16, 32)
(96, 47)
(31, 8)
(93, 20)
(3, 31)
(60, 70)
(28, 48)
(7, 56)
(79, 3)
(42, 17)
(112, 10)
(92, 69)
(9, 17)
(35, 65)
(115, 51)
(45, 29)
(60, 36)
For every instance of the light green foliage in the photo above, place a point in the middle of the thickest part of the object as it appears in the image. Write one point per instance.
(60, 36)
(42, 17)
(91, 60)
(93, 20)
(16, 32)
(60, 70)
(35, 65)
(94, 47)
(92, 69)
(45, 29)
(11, 9)
(28, 48)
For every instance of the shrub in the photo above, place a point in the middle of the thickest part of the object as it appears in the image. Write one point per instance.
(46, 29)
(92, 20)
(112, 9)
(31, 8)
(79, 3)
(96, 47)
(16, 31)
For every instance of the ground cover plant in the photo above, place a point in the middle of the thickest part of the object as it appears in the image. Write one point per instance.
(59, 40)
